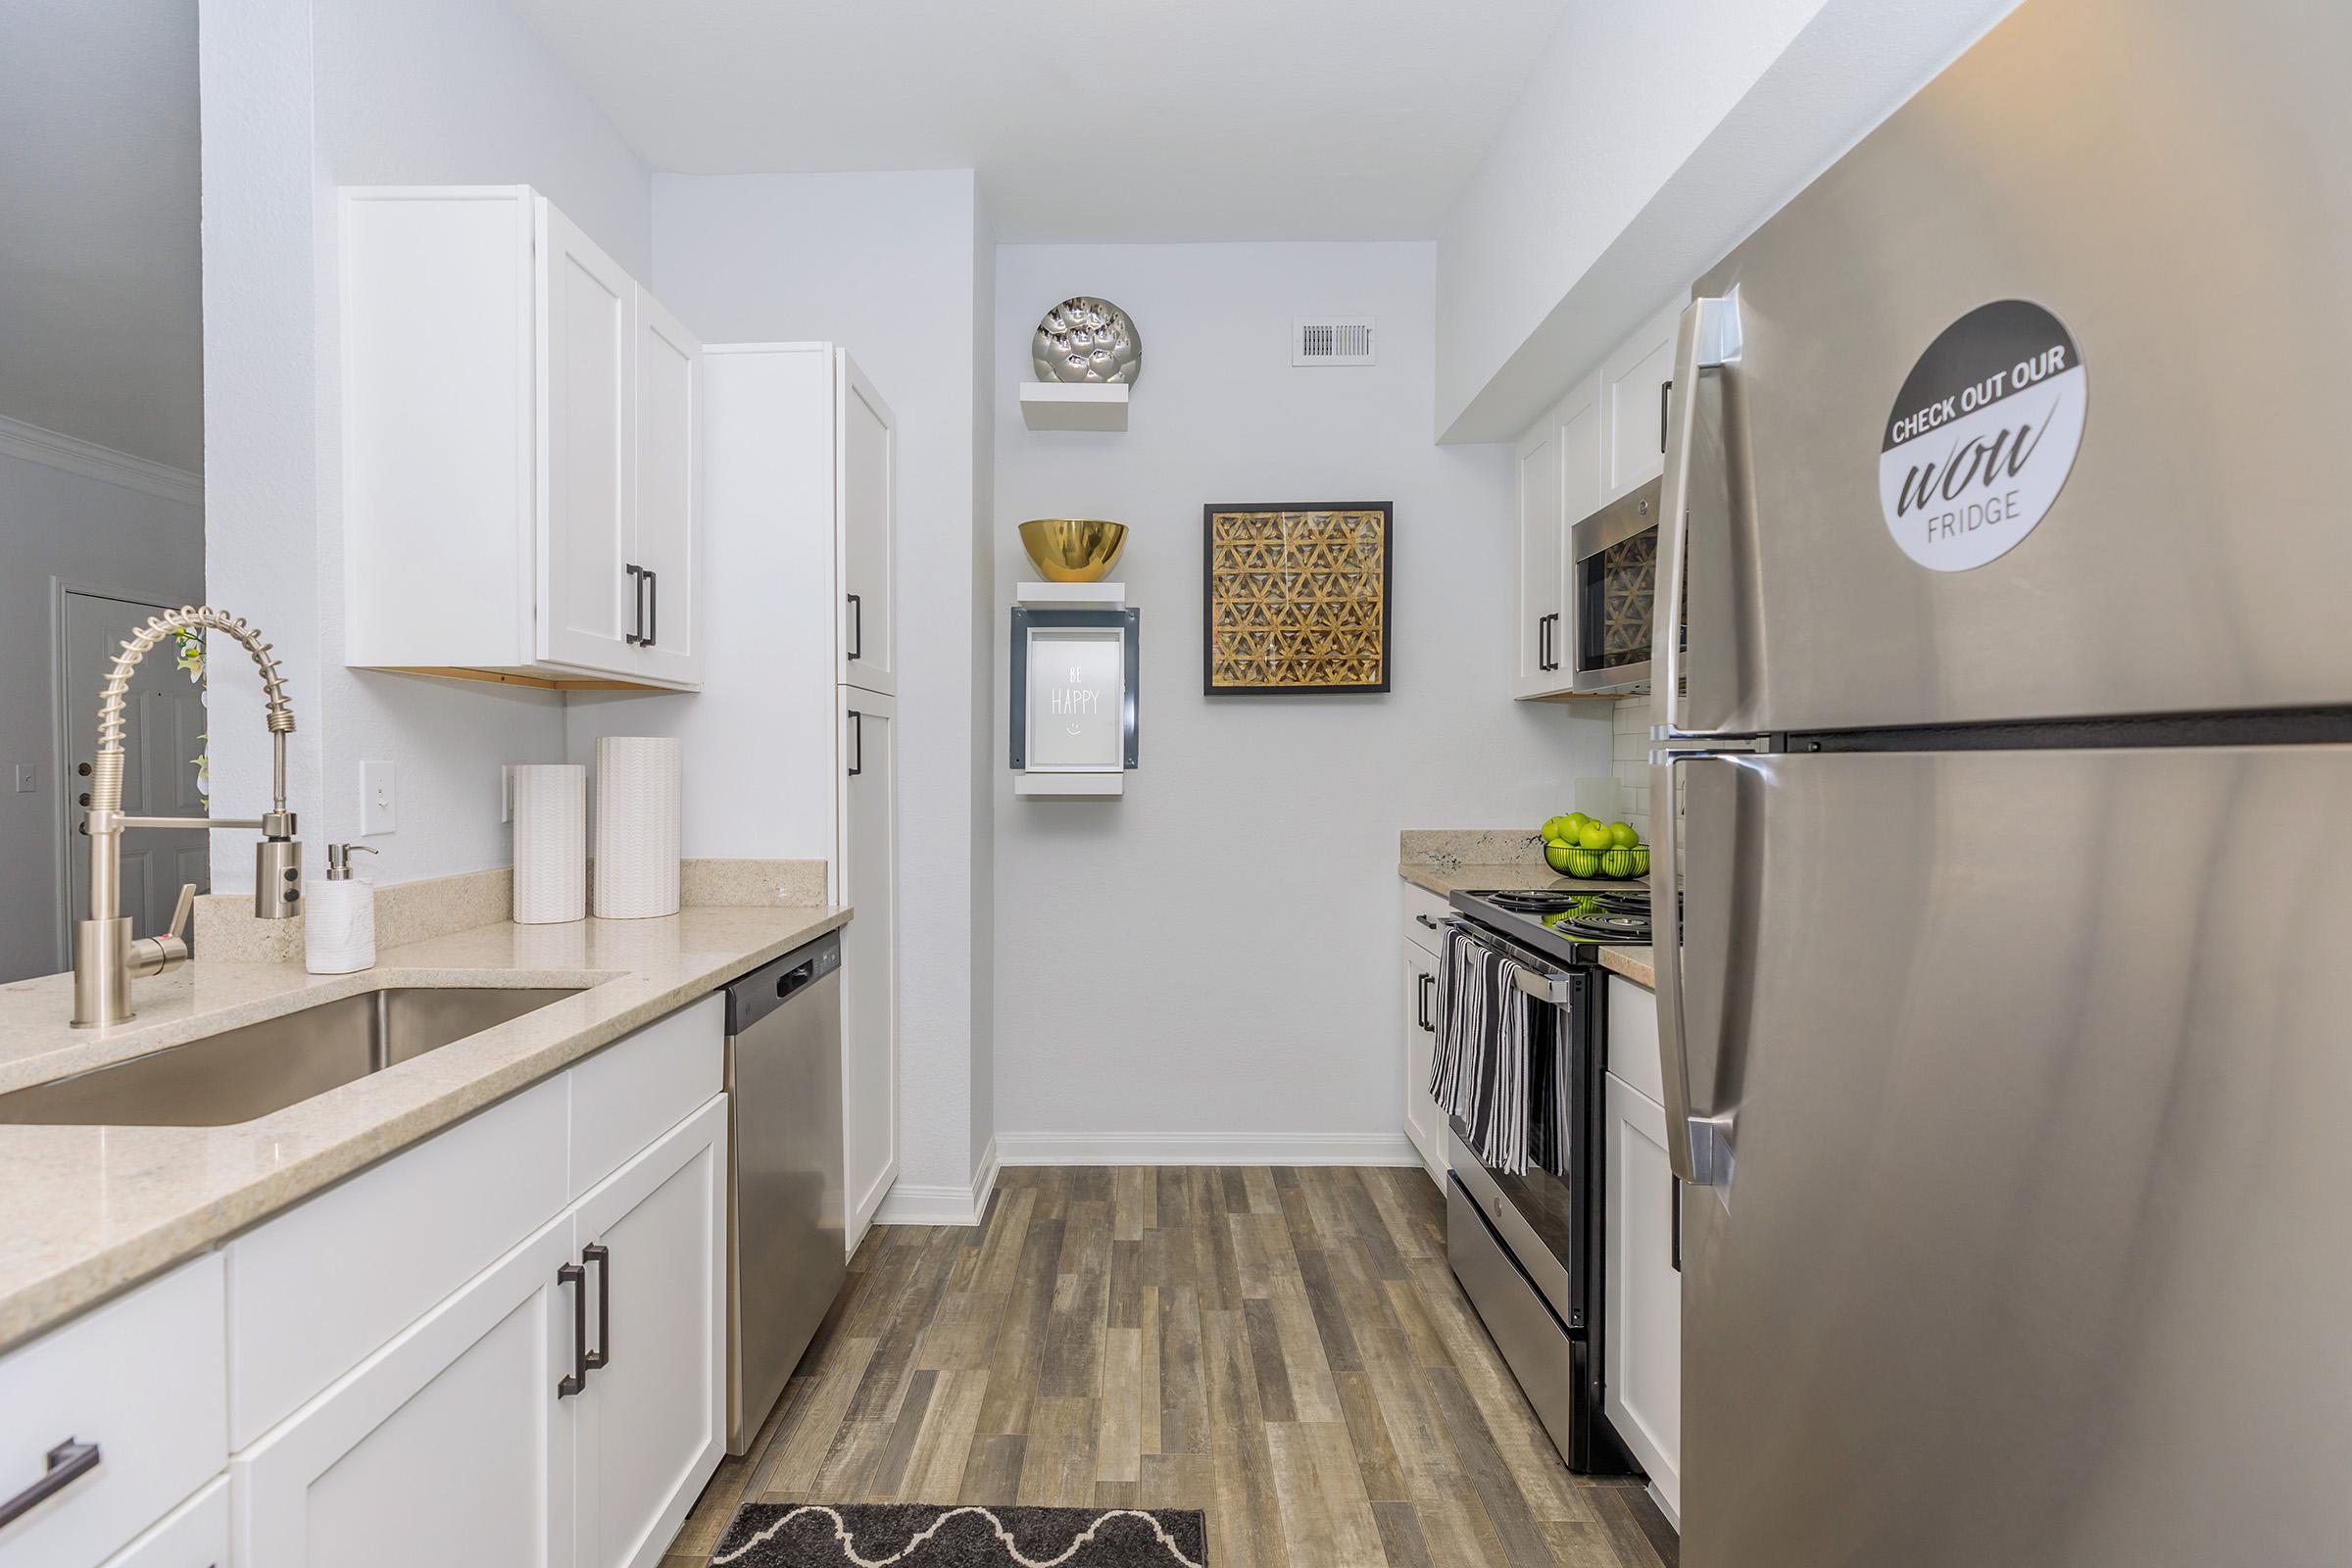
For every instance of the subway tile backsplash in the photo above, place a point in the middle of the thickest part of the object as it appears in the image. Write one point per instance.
(1631, 716)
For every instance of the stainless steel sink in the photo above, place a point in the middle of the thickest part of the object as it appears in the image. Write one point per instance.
(242, 1073)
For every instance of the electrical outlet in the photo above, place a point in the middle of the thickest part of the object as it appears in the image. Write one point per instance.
(378, 799)
(506, 792)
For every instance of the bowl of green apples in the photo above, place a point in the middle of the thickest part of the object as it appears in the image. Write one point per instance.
(1581, 845)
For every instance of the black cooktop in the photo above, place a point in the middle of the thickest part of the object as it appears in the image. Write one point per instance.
(1572, 924)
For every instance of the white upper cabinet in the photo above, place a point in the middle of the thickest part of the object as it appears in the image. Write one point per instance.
(521, 455)
(586, 533)
(1634, 380)
(668, 551)
(864, 501)
(1559, 481)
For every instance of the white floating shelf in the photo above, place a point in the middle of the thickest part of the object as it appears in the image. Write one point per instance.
(1070, 786)
(1071, 595)
(1073, 406)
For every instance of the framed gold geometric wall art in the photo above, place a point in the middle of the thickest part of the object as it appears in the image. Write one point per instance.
(1296, 598)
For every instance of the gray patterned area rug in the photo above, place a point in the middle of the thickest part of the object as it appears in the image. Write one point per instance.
(899, 1535)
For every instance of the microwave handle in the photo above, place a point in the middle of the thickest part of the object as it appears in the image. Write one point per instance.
(1708, 340)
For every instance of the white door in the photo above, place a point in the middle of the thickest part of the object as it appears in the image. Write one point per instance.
(1423, 1123)
(588, 598)
(653, 1240)
(1634, 379)
(1643, 1369)
(669, 494)
(162, 773)
(865, 469)
(870, 944)
(1541, 538)
(451, 1446)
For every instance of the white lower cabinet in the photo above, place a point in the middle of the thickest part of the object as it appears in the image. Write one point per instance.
(563, 1410)
(1643, 1368)
(1424, 940)
(1424, 1123)
(117, 1417)
(194, 1535)
(654, 1240)
(450, 1445)
(869, 861)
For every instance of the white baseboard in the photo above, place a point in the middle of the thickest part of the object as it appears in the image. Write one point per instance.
(1207, 1149)
(869, 1205)
(912, 1205)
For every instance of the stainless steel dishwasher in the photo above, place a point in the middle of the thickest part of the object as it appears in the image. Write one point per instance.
(785, 1257)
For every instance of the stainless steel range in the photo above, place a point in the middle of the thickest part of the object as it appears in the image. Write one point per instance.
(1527, 1244)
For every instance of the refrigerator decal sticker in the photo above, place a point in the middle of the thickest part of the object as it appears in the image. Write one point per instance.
(1982, 436)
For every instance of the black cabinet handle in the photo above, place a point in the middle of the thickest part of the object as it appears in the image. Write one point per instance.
(68, 1462)
(577, 1276)
(857, 626)
(1425, 984)
(636, 632)
(856, 743)
(1426, 921)
(653, 619)
(1665, 393)
(602, 1256)
(1543, 642)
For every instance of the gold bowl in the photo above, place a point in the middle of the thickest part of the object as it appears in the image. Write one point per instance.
(1073, 549)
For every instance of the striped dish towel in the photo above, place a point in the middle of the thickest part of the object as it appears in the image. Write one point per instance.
(1479, 1069)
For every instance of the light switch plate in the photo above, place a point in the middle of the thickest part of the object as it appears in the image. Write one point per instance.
(24, 778)
(378, 799)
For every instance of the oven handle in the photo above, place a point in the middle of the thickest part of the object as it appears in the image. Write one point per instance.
(1533, 975)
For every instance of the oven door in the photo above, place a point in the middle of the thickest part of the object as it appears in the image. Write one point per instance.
(1614, 588)
(1544, 1214)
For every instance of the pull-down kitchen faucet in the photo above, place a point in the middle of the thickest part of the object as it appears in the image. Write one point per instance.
(106, 955)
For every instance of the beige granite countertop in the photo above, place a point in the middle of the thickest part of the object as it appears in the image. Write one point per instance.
(86, 1212)
(1445, 879)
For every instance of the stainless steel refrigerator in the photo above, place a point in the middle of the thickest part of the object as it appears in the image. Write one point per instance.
(2008, 1043)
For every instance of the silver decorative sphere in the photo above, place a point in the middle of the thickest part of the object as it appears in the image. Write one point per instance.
(1087, 339)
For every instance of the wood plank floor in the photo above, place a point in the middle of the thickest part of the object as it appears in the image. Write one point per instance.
(1284, 1349)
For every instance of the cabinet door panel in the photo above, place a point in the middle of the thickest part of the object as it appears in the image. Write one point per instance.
(869, 1038)
(194, 1535)
(864, 468)
(448, 1447)
(1643, 1373)
(1540, 540)
(1635, 377)
(1423, 1123)
(650, 1424)
(587, 452)
(669, 492)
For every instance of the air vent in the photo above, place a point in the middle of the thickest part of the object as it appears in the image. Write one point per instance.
(1331, 340)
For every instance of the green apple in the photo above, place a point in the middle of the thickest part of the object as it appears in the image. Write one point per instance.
(1556, 829)
(1596, 836)
(1581, 863)
(1556, 855)
(1623, 835)
(1618, 862)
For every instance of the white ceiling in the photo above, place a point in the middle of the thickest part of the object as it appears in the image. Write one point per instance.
(1088, 120)
(101, 298)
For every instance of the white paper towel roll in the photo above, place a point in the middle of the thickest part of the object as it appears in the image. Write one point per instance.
(338, 926)
(637, 803)
(551, 842)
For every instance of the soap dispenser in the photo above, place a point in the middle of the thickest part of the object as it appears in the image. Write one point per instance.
(339, 935)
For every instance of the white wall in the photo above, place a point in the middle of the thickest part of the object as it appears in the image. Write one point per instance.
(1216, 953)
(298, 97)
(1649, 140)
(61, 526)
(886, 265)
(101, 336)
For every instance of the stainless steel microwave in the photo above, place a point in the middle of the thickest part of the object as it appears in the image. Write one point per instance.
(1613, 589)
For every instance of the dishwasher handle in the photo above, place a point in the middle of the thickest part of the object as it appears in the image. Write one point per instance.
(768, 987)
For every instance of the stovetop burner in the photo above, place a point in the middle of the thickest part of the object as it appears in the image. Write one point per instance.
(1574, 921)
(1532, 903)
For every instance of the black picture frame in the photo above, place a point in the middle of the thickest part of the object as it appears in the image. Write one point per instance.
(1388, 609)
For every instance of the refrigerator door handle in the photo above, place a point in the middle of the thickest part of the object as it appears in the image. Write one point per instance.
(1697, 1134)
(1709, 340)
